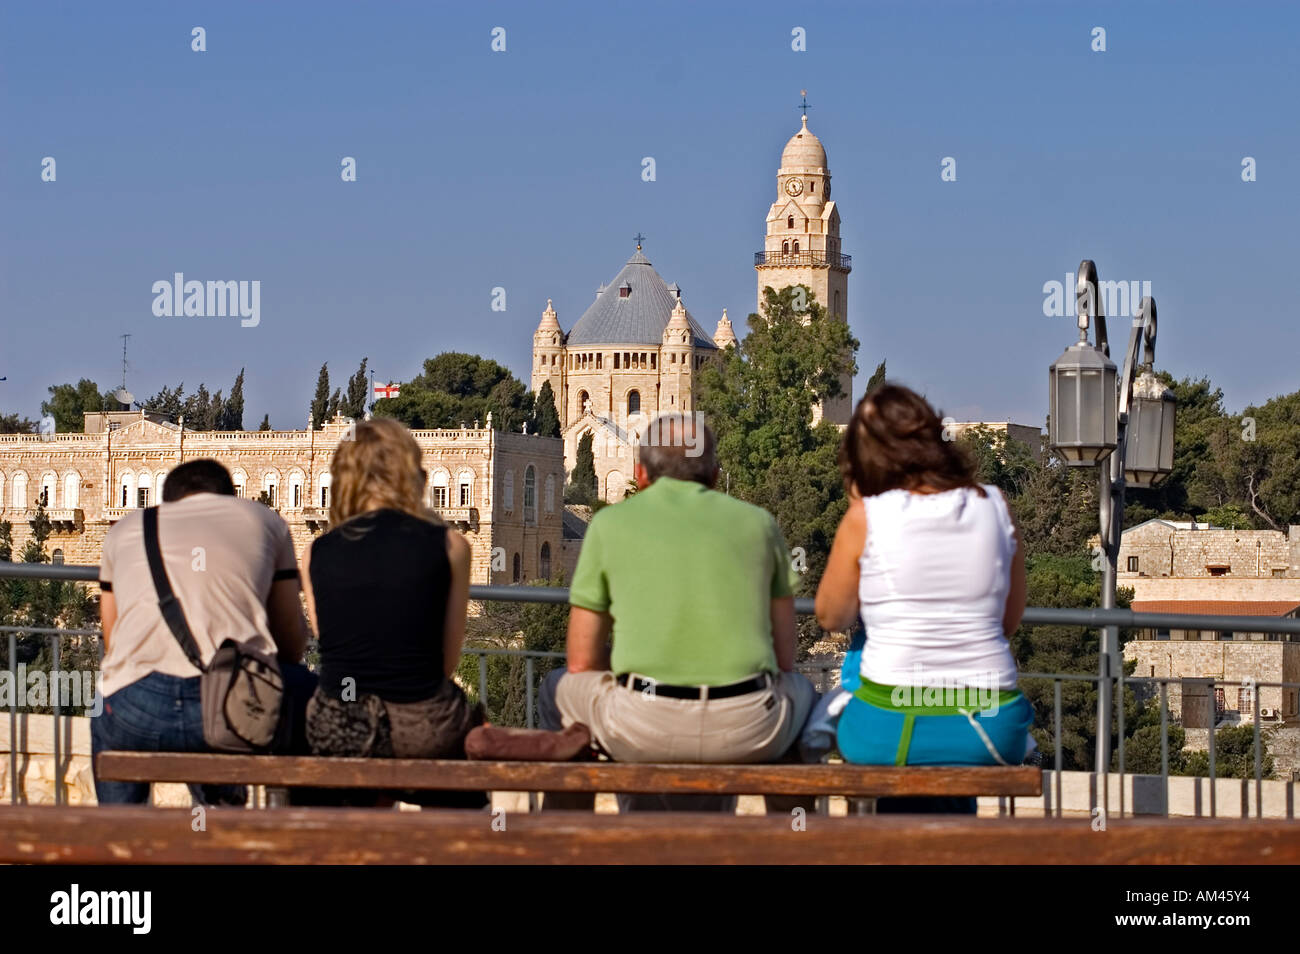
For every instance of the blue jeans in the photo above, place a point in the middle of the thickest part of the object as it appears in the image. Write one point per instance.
(162, 713)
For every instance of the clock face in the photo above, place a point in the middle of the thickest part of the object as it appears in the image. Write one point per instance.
(793, 186)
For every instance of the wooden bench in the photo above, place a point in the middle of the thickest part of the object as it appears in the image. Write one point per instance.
(136, 835)
(617, 777)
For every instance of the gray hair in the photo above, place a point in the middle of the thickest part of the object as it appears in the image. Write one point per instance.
(679, 446)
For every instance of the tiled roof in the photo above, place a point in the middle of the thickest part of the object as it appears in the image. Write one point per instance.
(640, 318)
(1275, 608)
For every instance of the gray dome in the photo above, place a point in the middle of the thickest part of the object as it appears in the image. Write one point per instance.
(638, 318)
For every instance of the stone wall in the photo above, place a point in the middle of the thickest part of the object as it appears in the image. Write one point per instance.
(1232, 664)
(1165, 551)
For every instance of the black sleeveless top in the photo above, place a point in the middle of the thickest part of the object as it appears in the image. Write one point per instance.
(380, 582)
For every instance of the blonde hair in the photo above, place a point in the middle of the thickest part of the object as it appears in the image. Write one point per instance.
(379, 467)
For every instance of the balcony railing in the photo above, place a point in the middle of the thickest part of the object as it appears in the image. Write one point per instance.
(815, 258)
(1154, 789)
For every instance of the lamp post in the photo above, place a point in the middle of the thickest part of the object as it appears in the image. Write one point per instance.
(1126, 423)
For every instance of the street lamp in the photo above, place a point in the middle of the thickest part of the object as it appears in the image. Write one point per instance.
(1149, 440)
(1127, 422)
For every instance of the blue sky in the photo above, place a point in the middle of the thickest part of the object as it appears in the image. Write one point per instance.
(522, 170)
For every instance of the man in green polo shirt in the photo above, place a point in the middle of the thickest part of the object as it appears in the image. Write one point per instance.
(695, 591)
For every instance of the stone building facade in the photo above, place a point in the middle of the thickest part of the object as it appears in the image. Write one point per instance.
(1184, 567)
(637, 351)
(1031, 437)
(1180, 549)
(504, 491)
(633, 355)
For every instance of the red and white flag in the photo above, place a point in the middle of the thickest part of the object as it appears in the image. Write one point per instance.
(387, 391)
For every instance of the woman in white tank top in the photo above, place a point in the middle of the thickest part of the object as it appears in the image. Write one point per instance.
(931, 563)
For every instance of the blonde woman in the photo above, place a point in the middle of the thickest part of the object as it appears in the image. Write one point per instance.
(386, 590)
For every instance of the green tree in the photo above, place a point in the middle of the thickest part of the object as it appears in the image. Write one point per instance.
(582, 487)
(353, 403)
(320, 404)
(200, 410)
(69, 403)
(266, 423)
(1234, 755)
(232, 411)
(13, 424)
(546, 420)
(759, 398)
(877, 378)
(169, 401)
(456, 389)
(999, 460)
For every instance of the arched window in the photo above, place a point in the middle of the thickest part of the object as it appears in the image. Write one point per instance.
(240, 480)
(550, 493)
(438, 489)
(127, 484)
(508, 491)
(324, 482)
(584, 399)
(795, 249)
(2, 491)
(57, 556)
(633, 402)
(837, 303)
(789, 221)
(143, 489)
(545, 569)
(19, 492)
(518, 569)
(465, 488)
(530, 494)
(159, 479)
(615, 485)
(72, 490)
(297, 481)
(812, 186)
(271, 487)
(785, 248)
(49, 490)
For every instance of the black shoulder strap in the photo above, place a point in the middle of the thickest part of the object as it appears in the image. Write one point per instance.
(167, 603)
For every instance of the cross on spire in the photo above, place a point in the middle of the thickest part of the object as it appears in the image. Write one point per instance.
(639, 239)
(804, 105)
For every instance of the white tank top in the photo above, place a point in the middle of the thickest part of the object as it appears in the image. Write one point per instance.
(935, 572)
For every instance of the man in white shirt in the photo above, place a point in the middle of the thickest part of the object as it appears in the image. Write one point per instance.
(232, 567)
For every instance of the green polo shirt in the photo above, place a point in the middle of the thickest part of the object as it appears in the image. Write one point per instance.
(689, 575)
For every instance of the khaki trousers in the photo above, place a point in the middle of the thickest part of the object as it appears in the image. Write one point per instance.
(637, 726)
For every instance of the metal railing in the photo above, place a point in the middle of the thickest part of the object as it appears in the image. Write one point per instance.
(833, 259)
(823, 674)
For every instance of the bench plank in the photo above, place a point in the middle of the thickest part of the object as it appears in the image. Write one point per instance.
(619, 777)
(137, 835)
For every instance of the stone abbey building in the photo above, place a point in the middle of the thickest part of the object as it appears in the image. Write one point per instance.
(503, 490)
(637, 351)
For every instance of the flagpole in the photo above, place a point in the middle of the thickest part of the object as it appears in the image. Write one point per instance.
(370, 410)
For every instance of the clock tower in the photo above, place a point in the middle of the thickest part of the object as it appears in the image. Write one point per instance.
(803, 243)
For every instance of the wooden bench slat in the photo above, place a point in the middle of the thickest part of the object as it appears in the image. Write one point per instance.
(121, 835)
(621, 777)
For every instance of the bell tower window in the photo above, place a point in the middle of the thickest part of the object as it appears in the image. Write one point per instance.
(789, 221)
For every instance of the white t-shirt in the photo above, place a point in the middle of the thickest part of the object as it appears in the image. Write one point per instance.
(222, 554)
(935, 572)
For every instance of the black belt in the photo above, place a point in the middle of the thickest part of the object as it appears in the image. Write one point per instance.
(652, 688)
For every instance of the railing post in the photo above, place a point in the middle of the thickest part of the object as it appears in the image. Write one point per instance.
(528, 679)
(13, 721)
(54, 700)
(1164, 747)
(1056, 721)
(482, 682)
(1214, 725)
(1259, 757)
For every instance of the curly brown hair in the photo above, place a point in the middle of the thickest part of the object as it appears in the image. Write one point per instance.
(896, 440)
